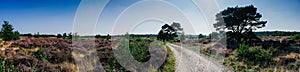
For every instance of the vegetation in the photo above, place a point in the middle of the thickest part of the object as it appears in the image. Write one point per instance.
(254, 56)
(239, 22)
(4, 67)
(40, 54)
(37, 35)
(246, 50)
(296, 36)
(59, 36)
(168, 33)
(105, 37)
(7, 32)
(169, 65)
(276, 33)
(201, 36)
(139, 49)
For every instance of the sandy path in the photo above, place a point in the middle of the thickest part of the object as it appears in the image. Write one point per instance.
(190, 61)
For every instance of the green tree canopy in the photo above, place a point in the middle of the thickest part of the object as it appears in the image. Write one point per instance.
(169, 32)
(239, 21)
(7, 32)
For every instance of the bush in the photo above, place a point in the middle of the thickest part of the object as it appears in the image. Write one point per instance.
(296, 36)
(4, 67)
(40, 54)
(139, 50)
(254, 55)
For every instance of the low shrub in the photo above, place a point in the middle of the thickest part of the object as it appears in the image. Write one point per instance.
(296, 36)
(40, 54)
(254, 55)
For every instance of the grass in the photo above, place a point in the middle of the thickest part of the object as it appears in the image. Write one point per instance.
(169, 65)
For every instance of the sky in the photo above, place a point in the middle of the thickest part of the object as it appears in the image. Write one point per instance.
(57, 16)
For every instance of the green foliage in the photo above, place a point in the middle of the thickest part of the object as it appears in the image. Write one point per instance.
(59, 36)
(65, 35)
(107, 37)
(254, 55)
(169, 65)
(242, 52)
(201, 36)
(168, 33)
(4, 67)
(273, 51)
(69, 36)
(2, 64)
(296, 36)
(37, 35)
(7, 32)
(111, 64)
(40, 54)
(239, 21)
(276, 33)
(139, 50)
(16, 35)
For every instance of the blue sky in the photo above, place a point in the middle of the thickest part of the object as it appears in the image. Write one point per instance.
(57, 16)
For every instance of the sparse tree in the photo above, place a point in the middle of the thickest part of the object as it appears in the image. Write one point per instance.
(7, 32)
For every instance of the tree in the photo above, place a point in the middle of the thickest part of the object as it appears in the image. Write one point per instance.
(177, 27)
(70, 35)
(16, 35)
(201, 36)
(7, 32)
(64, 35)
(239, 21)
(36, 35)
(98, 36)
(59, 36)
(167, 33)
(108, 37)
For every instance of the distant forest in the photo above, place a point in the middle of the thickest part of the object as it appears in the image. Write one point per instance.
(276, 33)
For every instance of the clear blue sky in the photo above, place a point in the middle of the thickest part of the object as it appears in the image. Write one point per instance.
(57, 16)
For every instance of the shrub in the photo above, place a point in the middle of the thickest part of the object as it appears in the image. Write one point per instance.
(4, 67)
(40, 54)
(296, 36)
(139, 50)
(254, 55)
(59, 36)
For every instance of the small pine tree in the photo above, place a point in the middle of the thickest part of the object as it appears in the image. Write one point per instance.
(7, 32)
(64, 35)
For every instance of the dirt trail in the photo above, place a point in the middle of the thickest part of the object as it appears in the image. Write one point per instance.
(190, 61)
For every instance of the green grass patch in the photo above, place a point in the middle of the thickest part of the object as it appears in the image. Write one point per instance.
(169, 65)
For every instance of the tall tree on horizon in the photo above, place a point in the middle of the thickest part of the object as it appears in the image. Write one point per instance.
(7, 32)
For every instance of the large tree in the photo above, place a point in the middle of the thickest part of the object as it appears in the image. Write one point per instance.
(239, 22)
(8, 33)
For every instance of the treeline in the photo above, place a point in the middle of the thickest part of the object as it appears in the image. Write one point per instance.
(38, 35)
(276, 33)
